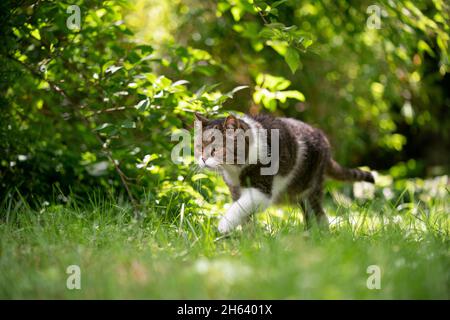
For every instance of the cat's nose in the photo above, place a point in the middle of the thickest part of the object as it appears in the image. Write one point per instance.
(204, 159)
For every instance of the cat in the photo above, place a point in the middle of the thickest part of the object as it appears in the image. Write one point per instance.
(304, 159)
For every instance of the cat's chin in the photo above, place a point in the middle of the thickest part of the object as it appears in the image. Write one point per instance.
(210, 163)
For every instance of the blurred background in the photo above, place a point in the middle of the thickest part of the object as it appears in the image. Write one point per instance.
(89, 102)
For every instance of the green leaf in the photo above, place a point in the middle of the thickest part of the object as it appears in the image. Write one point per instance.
(239, 88)
(277, 3)
(275, 25)
(272, 82)
(292, 58)
(35, 33)
(266, 33)
(199, 176)
(307, 43)
(423, 46)
(142, 105)
(128, 124)
(206, 88)
(293, 94)
(113, 69)
(103, 126)
(179, 83)
(145, 49)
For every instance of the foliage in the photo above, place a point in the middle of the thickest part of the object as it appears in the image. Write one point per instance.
(85, 108)
(94, 107)
(384, 87)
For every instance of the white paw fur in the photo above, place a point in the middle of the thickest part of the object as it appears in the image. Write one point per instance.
(251, 200)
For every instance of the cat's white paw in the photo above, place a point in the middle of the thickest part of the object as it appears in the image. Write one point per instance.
(225, 225)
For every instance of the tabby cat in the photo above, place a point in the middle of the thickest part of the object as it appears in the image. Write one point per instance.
(304, 159)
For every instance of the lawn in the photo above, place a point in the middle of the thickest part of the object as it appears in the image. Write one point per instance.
(183, 257)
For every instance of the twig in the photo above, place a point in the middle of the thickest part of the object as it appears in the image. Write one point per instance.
(261, 15)
(109, 110)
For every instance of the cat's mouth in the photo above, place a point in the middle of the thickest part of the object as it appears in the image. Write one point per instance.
(209, 163)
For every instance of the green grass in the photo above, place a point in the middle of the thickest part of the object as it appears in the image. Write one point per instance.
(184, 257)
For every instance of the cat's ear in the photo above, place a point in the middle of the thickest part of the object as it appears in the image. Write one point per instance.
(231, 122)
(200, 117)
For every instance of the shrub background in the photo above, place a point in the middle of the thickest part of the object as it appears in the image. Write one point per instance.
(94, 108)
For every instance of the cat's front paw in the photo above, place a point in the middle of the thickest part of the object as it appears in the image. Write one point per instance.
(225, 225)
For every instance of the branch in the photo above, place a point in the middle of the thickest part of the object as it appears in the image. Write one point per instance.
(261, 15)
(76, 107)
(109, 110)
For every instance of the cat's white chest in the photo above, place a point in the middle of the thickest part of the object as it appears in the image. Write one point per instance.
(231, 175)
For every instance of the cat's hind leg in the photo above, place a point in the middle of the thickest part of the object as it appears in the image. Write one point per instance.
(318, 214)
(311, 205)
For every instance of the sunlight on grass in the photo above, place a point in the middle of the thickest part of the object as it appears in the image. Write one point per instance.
(271, 257)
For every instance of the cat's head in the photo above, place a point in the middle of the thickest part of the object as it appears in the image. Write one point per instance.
(222, 141)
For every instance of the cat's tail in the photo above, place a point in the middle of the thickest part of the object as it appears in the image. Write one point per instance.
(338, 172)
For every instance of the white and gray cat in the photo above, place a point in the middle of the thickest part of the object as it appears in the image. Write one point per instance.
(304, 159)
